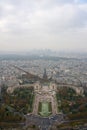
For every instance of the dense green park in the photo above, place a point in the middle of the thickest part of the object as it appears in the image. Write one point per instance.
(75, 106)
(14, 106)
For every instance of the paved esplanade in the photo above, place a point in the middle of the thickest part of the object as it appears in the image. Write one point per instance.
(43, 123)
(44, 93)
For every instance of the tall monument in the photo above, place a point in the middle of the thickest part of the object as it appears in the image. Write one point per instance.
(45, 74)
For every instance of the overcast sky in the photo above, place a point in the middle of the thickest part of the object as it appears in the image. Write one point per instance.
(43, 24)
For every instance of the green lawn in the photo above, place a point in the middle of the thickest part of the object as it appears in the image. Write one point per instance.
(45, 109)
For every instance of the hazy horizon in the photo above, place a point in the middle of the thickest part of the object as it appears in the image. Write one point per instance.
(58, 25)
(45, 52)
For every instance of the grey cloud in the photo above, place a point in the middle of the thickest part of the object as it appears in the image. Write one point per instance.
(40, 21)
(80, 19)
(28, 15)
(70, 19)
(0, 11)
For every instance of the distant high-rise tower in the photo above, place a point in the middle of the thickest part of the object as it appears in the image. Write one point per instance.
(45, 74)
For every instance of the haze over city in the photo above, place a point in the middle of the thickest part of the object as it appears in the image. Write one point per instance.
(43, 65)
(43, 24)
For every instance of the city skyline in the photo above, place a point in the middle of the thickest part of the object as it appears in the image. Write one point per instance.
(59, 25)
